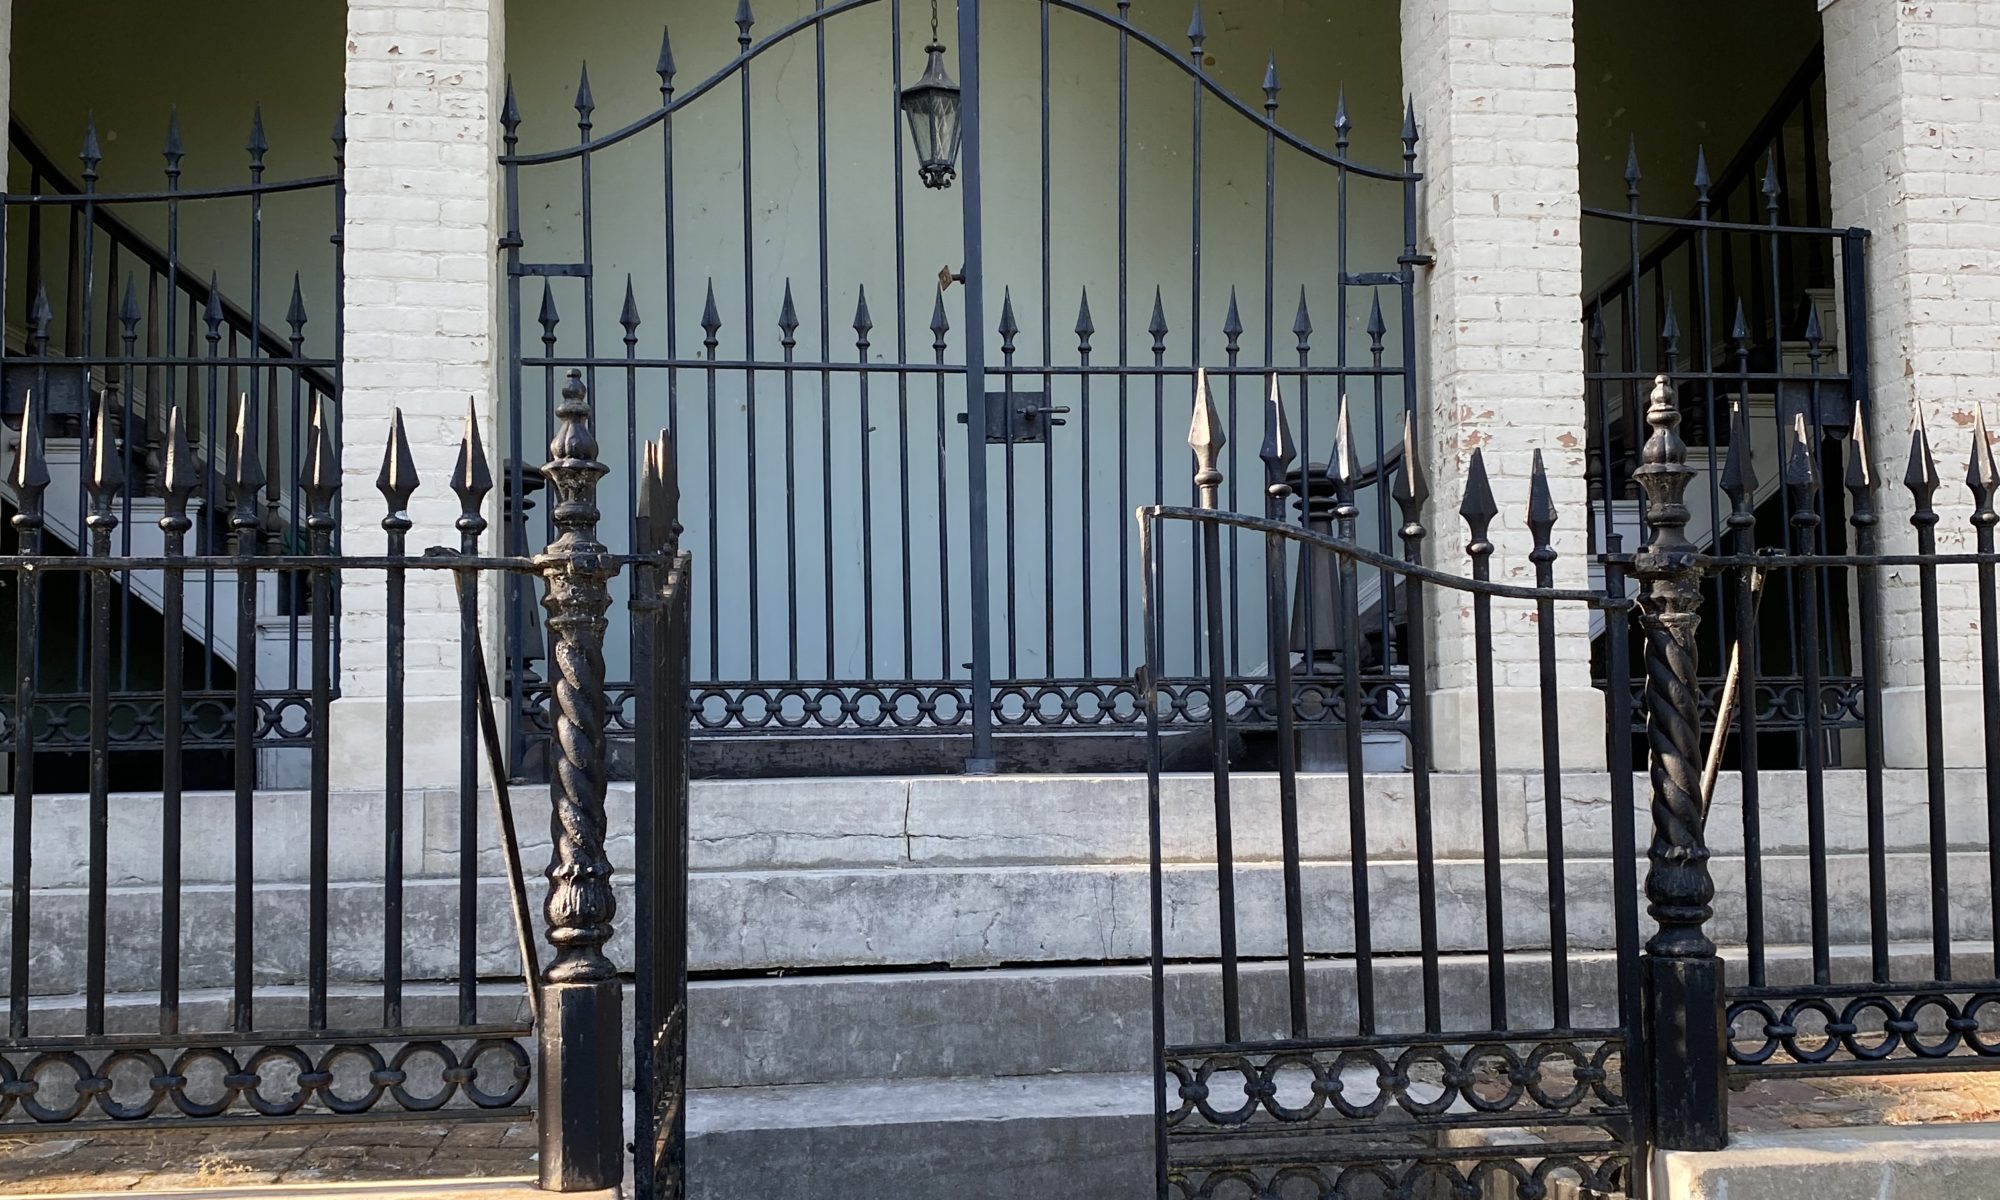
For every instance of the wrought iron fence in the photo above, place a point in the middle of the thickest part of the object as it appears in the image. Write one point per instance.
(1756, 310)
(107, 307)
(882, 570)
(1311, 1065)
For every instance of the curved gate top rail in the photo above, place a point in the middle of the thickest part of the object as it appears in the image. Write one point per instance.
(672, 101)
(1243, 1067)
(875, 569)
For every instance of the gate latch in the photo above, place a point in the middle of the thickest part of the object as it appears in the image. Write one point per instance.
(1020, 417)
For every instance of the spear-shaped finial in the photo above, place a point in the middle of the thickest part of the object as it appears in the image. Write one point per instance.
(1206, 439)
(471, 480)
(940, 323)
(30, 474)
(1377, 327)
(743, 23)
(1477, 508)
(295, 312)
(1343, 125)
(1981, 475)
(1860, 467)
(1409, 128)
(128, 307)
(1232, 323)
(257, 144)
(711, 320)
(1086, 328)
(173, 151)
(1197, 33)
(398, 478)
(585, 103)
(788, 319)
(178, 479)
(1739, 470)
(1541, 522)
(1271, 86)
(1921, 475)
(1302, 324)
(1771, 189)
(1278, 450)
(1702, 183)
(1344, 473)
(510, 115)
(1158, 325)
(90, 154)
(628, 313)
(1632, 174)
(1412, 487)
(107, 472)
(247, 477)
(864, 321)
(321, 478)
(665, 67)
(548, 317)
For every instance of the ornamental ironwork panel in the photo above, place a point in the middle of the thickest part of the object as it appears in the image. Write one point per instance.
(1334, 1084)
(914, 408)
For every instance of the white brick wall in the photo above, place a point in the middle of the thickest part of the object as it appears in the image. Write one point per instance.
(1913, 132)
(1494, 84)
(421, 277)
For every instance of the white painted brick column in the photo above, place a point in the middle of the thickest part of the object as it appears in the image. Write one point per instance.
(1913, 136)
(423, 80)
(1501, 356)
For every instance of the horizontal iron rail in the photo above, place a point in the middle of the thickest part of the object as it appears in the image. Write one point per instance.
(258, 1037)
(297, 562)
(1696, 223)
(1497, 1038)
(1384, 562)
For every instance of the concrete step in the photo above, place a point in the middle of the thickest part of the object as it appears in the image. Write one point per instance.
(973, 916)
(770, 1031)
(822, 824)
(966, 1139)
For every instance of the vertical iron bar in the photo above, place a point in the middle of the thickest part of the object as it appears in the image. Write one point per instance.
(177, 482)
(1206, 439)
(104, 483)
(1411, 490)
(1863, 517)
(1922, 482)
(246, 524)
(981, 760)
(1542, 520)
(30, 480)
(1278, 453)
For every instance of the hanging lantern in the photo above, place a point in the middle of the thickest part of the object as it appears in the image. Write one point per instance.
(931, 104)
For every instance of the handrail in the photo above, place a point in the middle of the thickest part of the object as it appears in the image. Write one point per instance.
(132, 242)
(1739, 169)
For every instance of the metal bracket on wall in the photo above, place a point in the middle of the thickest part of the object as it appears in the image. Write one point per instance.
(1019, 417)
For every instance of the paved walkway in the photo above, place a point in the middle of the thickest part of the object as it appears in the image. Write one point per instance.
(156, 1159)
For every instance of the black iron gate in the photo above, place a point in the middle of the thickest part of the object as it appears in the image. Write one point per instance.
(913, 424)
(1384, 1018)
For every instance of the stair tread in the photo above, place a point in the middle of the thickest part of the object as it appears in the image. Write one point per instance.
(919, 1101)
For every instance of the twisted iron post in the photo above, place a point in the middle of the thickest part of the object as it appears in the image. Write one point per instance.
(580, 1031)
(1684, 1019)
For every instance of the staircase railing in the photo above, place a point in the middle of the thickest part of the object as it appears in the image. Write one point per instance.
(123, 292)
(1757, 313)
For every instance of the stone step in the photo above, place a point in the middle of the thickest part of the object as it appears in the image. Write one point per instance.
(822, 824)
(969, 1139)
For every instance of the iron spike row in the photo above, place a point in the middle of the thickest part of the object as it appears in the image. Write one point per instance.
(1206, 438)
(471, 480)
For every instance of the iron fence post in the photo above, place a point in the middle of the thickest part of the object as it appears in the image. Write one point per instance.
(1685, 1025)
(580, 1118)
